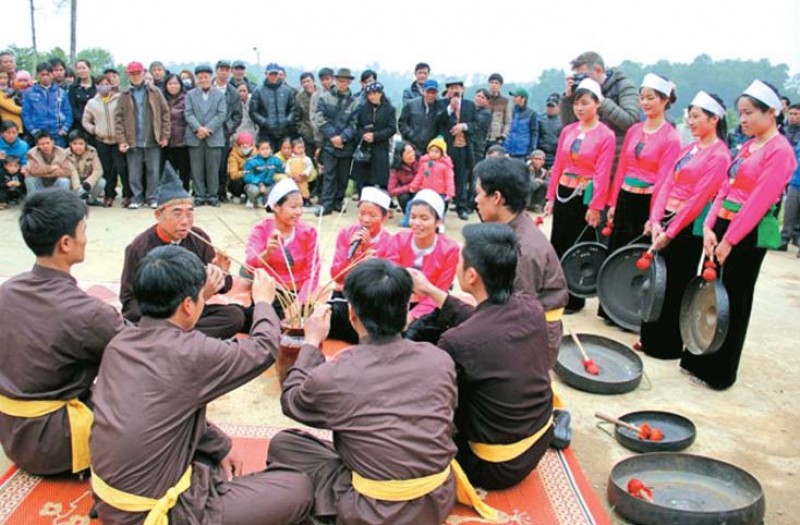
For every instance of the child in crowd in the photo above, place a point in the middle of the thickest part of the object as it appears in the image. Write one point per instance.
(540, 178)
(242, 151)
(259, 174)
(87, 172)
(435, 172)
(300, 169)
(11, 186)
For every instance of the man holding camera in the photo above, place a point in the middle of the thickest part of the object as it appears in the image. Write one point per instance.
(619, 107)
(86, 175)
(457, 131)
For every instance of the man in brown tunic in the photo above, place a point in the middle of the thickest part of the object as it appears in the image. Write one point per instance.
(504, 394)
(389, 402)
(175, 225)
(150, 433)
(54, 335)
(502, 189)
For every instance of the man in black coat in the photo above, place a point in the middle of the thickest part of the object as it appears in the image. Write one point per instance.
(272, 108)
(422, 117)
(457, 129)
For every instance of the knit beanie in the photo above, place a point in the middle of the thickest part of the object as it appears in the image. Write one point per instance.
(439, 143)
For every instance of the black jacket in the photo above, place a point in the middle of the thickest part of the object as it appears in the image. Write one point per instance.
(381, 120)
(549, 131)
(467, 116)
(419, 123)
(272, 110)
(480, 133)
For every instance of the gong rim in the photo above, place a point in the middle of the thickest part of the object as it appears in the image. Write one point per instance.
(629, 295)
(621, 369)
(679, 431)
(704, 316)
(687, 489)
(581, 264)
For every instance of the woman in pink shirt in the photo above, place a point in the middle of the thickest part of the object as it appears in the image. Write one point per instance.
(285, 243)
(647, 156)
(431, 252)
(742, 224)
(687, 190)
(580, 177)
(351, 243)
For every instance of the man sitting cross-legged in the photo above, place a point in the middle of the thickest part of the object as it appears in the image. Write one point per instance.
(175, 216)
(154, 454)
(504, 418)
(53, 337)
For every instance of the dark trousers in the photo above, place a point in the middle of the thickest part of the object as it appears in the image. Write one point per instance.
(340, 320)
(569, 219)
(334, 179)
(7, 194)
(463, 172)
(662, 338)
(114, 165)
(221, 321)
(179, 159)
(739, 275)
(223, 173)
(236, 187)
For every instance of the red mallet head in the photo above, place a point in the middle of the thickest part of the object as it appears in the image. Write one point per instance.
(709, 264)
(591, 367)
(656, 434)
(709, 274)
(539, 220)
(644, 431)
(642, 263)
(606, 231)
(648, 255)
(635, 485)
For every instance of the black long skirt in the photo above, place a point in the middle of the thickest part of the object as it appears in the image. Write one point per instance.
(569, 219)
(739, 275)
(633, 210)
(662, 338)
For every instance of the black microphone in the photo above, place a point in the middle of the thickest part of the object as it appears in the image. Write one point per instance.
(353, 247)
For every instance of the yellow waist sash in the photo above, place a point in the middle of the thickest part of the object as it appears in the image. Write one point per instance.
(502, 453)
(409, 489)
(80, 422)
(157, 509)
(551, 316)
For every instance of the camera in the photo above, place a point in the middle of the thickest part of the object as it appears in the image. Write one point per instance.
(577, 77)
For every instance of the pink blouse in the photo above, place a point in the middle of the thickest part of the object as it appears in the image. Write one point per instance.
(757, 184)
(694, 184)
(656, 157)
(301, 246)
(439, 266)
(592, 161)
(382, 245)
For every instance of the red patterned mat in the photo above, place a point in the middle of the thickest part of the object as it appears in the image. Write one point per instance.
(557, 492)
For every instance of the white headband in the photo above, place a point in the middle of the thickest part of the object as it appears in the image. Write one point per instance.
(591, 85)
(704, 100)
(661, 85)
(376, 196)
(764, 93)
(280, 190)
(432, 199)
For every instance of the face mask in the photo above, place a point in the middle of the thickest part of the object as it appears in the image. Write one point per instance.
(187, 83)
(247, 150)
(104, 89)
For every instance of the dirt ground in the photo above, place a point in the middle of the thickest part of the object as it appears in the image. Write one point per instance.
(754, 425)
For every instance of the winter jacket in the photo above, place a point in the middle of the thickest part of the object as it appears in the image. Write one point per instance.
(9, 110)
(236, 161)
(792, 134)
(98, 117)
(258, 170)
(480, 133)
(382, 121)
(177, 120)
(336, 115)
(419, 122)
(56, 167)
(549, 131)
(209, 113)
(47, 109)
(79, 96)
(794, 181)
(619, 109)
(400, 179)
(86, 168)
(233, 113)
(501, 117)
(272, 109)
(523, 133)
(303, 117)
(251, 86)
(157, 120)
(436, 175)
(411, 93)
(19, 148)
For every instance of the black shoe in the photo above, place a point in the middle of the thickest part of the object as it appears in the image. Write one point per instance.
(562, 433)
(464, 216)
(784, 247)
(322, 210)
(213, 202)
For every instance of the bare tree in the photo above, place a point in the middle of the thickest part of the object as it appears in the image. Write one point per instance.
(33, 27)
(73, 32)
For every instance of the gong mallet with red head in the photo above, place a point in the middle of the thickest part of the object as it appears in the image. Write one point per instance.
(588, 363)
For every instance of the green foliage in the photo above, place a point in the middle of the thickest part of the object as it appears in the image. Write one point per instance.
(98, 57)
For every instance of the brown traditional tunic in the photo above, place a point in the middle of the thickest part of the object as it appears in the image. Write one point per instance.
(222, 321)
(150, 425)
(53, 336)
(390, 406)
(539, 273)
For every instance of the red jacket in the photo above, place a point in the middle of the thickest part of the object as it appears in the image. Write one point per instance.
(436, 175)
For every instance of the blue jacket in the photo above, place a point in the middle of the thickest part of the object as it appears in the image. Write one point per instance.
(794, 182)
(258, 170)
(524, 132)
(19, 148)
(48, 109)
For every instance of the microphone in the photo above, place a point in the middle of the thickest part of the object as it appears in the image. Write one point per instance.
(353, 247)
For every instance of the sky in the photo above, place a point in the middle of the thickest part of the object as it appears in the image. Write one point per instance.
(519, 40)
